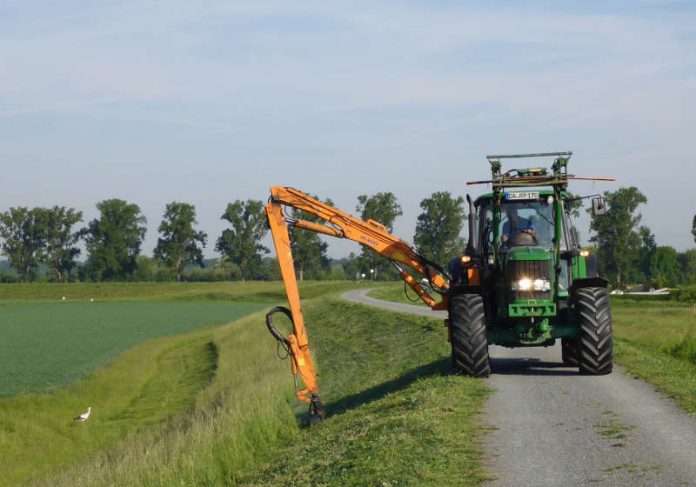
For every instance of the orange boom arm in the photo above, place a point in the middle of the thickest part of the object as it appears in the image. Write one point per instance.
(342, 225)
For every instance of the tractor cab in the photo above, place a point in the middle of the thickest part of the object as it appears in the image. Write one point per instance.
(526, 219)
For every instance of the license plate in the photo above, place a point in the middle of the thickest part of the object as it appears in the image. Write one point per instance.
(522, 195)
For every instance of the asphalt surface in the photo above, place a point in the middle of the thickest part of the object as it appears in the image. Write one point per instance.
(551, 426)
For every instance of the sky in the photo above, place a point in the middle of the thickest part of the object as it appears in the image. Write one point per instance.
(209, 102)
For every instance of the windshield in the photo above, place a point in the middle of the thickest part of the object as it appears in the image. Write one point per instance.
(530, 222)
(534, 218)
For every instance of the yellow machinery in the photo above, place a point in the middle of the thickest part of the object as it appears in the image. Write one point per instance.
(342, 225)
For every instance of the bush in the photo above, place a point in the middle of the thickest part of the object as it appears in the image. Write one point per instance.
(8, 277)
(686, 294)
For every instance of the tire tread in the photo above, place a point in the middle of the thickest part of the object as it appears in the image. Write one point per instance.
(467, 320)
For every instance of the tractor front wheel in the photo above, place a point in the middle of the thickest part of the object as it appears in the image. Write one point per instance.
(467, 321)
(596, 345)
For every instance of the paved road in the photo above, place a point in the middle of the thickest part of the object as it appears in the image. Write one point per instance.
(553, 427)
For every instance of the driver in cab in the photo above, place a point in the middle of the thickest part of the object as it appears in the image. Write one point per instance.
(515, 225)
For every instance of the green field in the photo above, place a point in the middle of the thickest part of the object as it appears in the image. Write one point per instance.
(253, 291)
(214, 406)
(46, 345)
(655, 339)
(50, 342)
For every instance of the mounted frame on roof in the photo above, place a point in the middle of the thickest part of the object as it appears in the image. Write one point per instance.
(531, 177)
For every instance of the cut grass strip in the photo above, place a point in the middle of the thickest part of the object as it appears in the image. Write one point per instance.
(396, 414)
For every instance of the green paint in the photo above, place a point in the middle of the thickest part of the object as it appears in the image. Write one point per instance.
(529, 309)
(527, 254)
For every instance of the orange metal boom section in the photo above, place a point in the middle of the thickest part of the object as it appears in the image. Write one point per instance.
(369, 233)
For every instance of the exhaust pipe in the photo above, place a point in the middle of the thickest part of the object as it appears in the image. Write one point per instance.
(472, 245)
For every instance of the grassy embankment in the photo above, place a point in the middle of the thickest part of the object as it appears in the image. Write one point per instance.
(211, 407)
(655, 339)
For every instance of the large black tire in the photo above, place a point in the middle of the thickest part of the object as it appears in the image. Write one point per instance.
(596, 344)
(467, 319)
(569, 352)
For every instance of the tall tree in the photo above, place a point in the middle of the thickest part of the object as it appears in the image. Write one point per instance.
(351, 266)
(114, 240)
(687, 261)
(180, 244)
(24, 232)
(61, 240)
(648, 247)
(308, 249)
(241, 244)
(664, 267)
(617, 237)
(382, 208)
(439, 227)
(693, 228)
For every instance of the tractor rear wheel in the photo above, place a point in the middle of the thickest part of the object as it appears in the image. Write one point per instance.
(467, 321)
(569, 351)
(596, 344)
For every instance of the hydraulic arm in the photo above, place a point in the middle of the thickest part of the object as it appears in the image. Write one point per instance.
(342, 225)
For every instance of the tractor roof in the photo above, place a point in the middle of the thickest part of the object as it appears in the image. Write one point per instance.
(555, 176)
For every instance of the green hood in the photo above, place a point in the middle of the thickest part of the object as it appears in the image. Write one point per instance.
(528, 253)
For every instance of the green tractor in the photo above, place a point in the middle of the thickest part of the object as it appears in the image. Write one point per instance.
(524, 280)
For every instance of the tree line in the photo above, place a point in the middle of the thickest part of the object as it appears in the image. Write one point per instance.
(45, 242)
(627, 252)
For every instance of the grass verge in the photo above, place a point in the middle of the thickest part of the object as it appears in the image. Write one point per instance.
(658, 344)
(395, 292)
(655, 339)
(396, 416)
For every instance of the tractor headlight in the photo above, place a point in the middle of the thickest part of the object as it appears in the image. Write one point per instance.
(526, 284)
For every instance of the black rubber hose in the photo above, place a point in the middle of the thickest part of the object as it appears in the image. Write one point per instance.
(269, 323)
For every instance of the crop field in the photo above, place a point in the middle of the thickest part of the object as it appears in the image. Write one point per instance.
(655, 339)
(47, 345)
(179, 398)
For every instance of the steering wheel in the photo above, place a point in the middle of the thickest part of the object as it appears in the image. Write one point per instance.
(522, 238)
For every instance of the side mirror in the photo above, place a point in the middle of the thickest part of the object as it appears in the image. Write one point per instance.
(599, 207)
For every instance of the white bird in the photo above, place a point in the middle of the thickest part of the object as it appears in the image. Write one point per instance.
(84, 416)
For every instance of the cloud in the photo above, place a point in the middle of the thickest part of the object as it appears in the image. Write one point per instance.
(301, 88)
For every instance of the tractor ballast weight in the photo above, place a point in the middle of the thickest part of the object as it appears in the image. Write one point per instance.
(522, 281)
